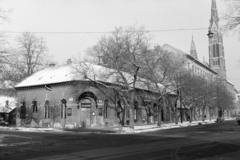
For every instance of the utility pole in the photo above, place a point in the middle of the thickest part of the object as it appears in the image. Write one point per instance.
(180, 98)
(179, 88)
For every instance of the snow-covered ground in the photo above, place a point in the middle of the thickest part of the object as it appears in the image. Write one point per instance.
(121, 130)
(24, 129)
(149, 128)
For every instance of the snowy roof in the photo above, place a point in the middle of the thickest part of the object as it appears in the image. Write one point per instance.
(48, 76)
(11, 104)
(73, 72)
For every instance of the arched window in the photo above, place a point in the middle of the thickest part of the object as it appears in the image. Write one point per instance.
(47, 109)
(23, 110)
(214, 50)
(217, 50)
(34, 106)
(86, 103)
(106, 109)
(63, 108)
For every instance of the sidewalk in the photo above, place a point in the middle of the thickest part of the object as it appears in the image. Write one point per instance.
(154, 127)
(114, 130)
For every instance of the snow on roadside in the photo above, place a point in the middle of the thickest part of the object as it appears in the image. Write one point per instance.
(150, 128)
(121, 130)
(31, 129)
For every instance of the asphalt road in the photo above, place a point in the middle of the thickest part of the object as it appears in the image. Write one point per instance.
(218, 141)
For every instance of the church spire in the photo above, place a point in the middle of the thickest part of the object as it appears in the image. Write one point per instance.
(193, 51)
(214, 14)
(216, 48)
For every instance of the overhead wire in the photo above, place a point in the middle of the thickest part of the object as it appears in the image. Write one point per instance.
(99, 32)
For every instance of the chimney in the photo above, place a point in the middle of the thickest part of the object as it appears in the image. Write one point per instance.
(51, 65)
(69, 61)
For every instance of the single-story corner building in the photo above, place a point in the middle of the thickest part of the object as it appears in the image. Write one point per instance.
(59, 97)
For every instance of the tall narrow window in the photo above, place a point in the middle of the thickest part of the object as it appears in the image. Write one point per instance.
(217, 50)
(214, 51)
(61, 111)
(34, 106)
(47, 109)
(106, 108)
(23, 110)
(63, 108)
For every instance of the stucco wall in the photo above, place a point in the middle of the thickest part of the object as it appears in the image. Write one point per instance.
(69, 92)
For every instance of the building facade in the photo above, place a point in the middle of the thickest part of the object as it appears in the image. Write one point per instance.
(193, 64)
(57, 97)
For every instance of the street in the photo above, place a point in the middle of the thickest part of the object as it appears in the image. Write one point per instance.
(209, 141)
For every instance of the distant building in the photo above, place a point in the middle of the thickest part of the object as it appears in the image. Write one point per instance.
(7, 106)
(193, 65)
(216, 48)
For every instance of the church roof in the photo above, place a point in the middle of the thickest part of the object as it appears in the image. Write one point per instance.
(193, 51)
(214, 13)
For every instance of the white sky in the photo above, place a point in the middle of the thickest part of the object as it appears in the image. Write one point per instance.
(105, 15)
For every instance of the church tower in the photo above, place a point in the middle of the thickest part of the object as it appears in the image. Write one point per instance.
(216, 49)
(193, 51)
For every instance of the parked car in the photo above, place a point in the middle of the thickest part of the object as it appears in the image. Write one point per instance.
(238, 119)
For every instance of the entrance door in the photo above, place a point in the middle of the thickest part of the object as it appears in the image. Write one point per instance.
(86, 111)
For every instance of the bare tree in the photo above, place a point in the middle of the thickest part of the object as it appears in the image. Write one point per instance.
(29, 57)
(232, 16)
(4, 50)
(224, 99)
(4, 14)
(121, 52)
(103, 79)
(159, 70)
(33, 51)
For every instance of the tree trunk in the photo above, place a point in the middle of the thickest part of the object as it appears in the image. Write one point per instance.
(210, 114)
(203, 113)
(195, 114)
(175, 115)
(148, 119)
(131, 118)
(160, 111)
(159, 115)
(147, 114)
(199, 114)
(131, 108)
(191, 115)
(123, 115)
